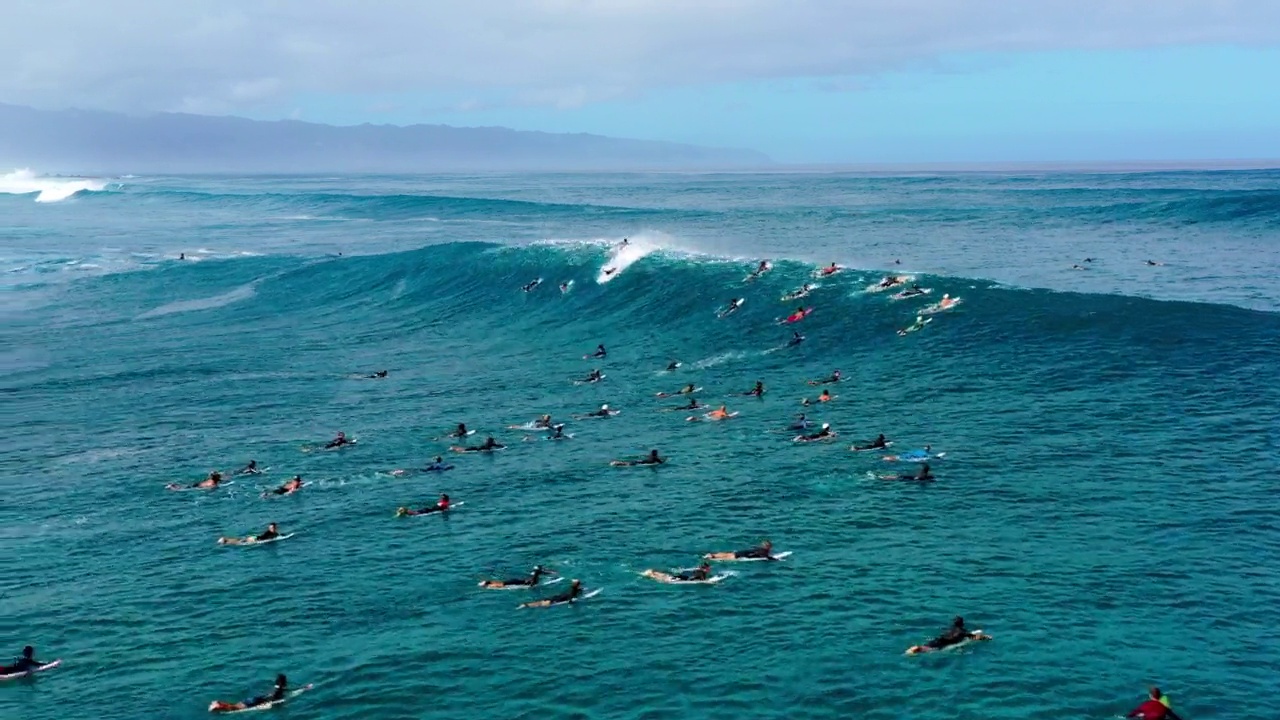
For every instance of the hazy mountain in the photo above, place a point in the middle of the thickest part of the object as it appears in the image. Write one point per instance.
(92, 141)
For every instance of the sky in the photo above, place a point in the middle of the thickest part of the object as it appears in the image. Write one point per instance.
(805, 81)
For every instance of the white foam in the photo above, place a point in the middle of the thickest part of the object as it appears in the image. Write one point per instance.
(241, 293)
(25, 182)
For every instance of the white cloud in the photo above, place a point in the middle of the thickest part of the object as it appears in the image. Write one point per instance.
(228, 55)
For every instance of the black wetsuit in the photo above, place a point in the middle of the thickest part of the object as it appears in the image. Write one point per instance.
(528, 581)
(21, 665)
(268, 535)
(275, 696)
(954, 636)
(755, 552)
(692, 575)
(566, 596)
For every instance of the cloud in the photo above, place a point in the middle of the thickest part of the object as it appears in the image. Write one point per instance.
(232, 55)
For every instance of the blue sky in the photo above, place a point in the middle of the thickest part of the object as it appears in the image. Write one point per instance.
(1173, 103)
(805, 81)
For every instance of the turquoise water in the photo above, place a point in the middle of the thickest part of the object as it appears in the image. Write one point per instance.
(1106, 509)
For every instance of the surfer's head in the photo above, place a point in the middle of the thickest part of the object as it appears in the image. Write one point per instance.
(957, 622)
(28, 652)
(281, 680)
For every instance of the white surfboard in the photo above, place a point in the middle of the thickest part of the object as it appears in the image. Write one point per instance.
(779, 556)
(32, 671)
(265, 706)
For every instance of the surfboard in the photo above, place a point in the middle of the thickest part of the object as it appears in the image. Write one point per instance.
(708, 418)
(796, 317)
(804, 439)
(696, 389)
(32, 671)
(584, 596)
(596, 417)
(567, 287)
(915, 328)
(854, 448)
(936, 308)
(730, 309)
(531, 425)
(175, 487)
(264, 706)
(590, 382)
(904, 295)
(471, 451)
(322, 448)
(923, 457)
(827, 271)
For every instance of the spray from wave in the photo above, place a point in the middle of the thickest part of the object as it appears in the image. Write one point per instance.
(47, 189)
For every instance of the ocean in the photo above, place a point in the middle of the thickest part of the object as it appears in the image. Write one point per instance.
(1106, 508)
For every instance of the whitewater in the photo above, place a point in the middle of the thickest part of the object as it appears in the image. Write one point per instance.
(1105, 508)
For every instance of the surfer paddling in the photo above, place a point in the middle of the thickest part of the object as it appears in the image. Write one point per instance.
(441, 506)
(271, 533)
(763, 551)
(290, 487)
(1155, 707)
(209, 483)
(23, 664)
(525, 582)
(651, 459)
(955, 635)
(702, 573)
(568, 596)
(277, 694)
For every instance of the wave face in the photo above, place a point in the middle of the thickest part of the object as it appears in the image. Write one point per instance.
(1109, 458)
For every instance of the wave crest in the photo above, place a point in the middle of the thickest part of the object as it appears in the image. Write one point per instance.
(47, 189)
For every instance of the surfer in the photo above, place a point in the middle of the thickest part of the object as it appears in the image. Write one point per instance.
(693, 405)
(594, 376)
(923, 474)
(1153, 263)
(377, 376)
(568, 596)
(912, 291)
(954, 635)
(946, 302)
(250, 469)
(535, 575)
(442, 505)
(339, 441)
(796, 339)
(912, 455)
(801, 423)
(720, 413)
(600, 353)
(831, 269)
(686, 390)
(757, 391)
(528, 287)
(673, 366)
(182, 256)
(557, 433)
(209, 483)
(276, 695)
(1077, 267)
(833, 378)
(798, 315)
(761, 269)
(603, 412)
(919, 323)
(890, 281)
(1088, 260)
(460, 432)
(763, 551)
(437, 465)
(732, 307)
(24, 663)
(271, 533)
(797, 294)
(488, 445)
(1155, 707)
(610, 271)
(651, 459)
(290, 487)
(825, 396)
(625, 242)
(878, 444)
(698, 574)
(823, 433)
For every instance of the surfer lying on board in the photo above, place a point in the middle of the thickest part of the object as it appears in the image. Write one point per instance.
(686, 390)
(954, 635)
(593, 377)
(535, 575)
(24, 663)
(276, 695)
(673, 366)
(460, 432)
(823, 433)
(377, 376)
(732, 307)
(890, 281)
(209, 483)
(271, 533)
(913, 291)
(757, 391)
(290, 487)
(923, 474)
(437, 465)
(720, 413)
(599, 353)
(250, 469)
(338, 441)
(763, 551)
(568, 596)
(651, 459)
(831, 269)
(825, 396)
(878, 444)
(442, 505)
(557, 433)
(917, 325)
(801, 423)
(693, 405)
(761, 269)
(796, 339)
(529, 286)
(1156, 707)
(488, 445)
(833, 378)
(603, 412)
(698, 574)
